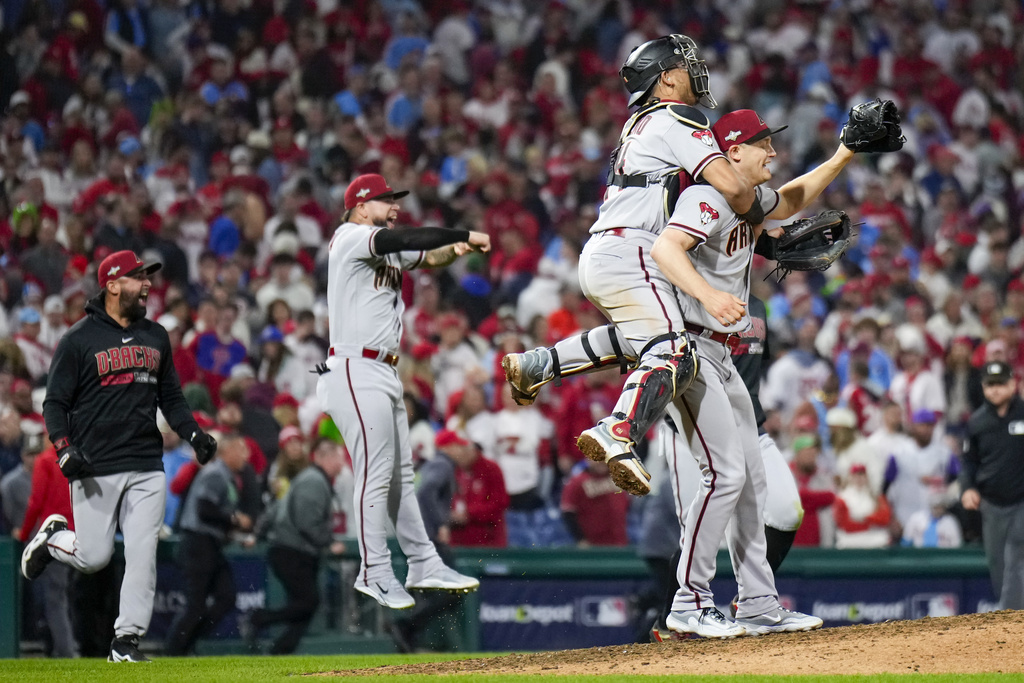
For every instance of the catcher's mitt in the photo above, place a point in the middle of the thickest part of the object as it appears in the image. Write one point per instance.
(873, 127)
(813, 243)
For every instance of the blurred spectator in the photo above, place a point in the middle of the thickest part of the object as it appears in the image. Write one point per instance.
(594, 509)
(479, 501)
(881, 368)
(177, 453)
(36, 354)
(521, 445)
(209, 516)
(793, 377)
(53, 325)
(934, 527)
(924, 466)
(291, 460)
(453, 361)
(816, 491)
(916, 387)
(862, 514)
(16, 485)
(51, 495)
(217, 351)
(279, 367)
(300, 531)
(850, 449)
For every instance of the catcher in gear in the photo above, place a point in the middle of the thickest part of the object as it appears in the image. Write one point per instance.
(666, 145)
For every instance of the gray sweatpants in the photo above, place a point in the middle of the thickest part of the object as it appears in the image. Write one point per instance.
(1002, 530)
(134, 501)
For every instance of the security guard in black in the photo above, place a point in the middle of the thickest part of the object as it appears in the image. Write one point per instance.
(993, 459)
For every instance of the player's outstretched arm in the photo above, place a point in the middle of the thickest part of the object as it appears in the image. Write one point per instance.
(438, 258)
(740, 194)
(669, 252)
(798, 193)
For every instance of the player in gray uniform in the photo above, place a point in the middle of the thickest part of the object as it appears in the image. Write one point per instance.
(663, 147)
(715, 414)
(783, 512)
(360, 389)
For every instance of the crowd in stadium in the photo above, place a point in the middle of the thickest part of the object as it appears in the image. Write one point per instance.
(219, 138)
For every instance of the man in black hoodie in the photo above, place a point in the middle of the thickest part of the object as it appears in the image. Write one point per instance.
(110, 373)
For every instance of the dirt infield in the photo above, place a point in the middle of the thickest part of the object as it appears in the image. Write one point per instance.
(973, 643)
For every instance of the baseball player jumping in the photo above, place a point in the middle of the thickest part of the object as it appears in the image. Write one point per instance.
(663, 147)
(110, 373)
(360, 389)
(715, 414)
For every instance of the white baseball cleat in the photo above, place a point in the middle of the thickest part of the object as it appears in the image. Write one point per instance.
(706, 623)
(388, 592)
(600, 444)
(444, 579)
(779, 620)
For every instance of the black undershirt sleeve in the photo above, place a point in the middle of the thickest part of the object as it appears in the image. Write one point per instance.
(416, 239)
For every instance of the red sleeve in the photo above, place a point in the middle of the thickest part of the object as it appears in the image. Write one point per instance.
(843, 520)
(34, 509)
(183, 479)
(544, 452)
(882, 514)
(815, 500)
(256, 457)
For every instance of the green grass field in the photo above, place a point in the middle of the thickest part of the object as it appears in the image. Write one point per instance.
(286, 668)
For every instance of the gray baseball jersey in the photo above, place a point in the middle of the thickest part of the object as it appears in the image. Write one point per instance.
(716, 420)
(364, 398)
(364, 301)
(658, 145)
(725, 248)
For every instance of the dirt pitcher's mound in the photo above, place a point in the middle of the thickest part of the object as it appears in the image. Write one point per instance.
(973, 643)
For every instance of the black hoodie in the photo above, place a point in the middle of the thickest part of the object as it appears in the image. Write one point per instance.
(104, 386)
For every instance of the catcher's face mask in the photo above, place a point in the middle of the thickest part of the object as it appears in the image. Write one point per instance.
(695, 66)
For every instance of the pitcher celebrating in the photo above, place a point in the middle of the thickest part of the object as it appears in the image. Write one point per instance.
(360, 389)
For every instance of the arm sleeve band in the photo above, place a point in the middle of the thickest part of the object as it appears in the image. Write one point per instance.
(416, 239)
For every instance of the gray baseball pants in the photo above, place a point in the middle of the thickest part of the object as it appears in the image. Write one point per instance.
(133, 501)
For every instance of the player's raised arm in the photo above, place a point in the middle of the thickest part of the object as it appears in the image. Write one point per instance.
(873, 127)
(737, 191)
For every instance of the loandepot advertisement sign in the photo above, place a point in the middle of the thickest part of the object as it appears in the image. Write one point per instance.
(517, 614)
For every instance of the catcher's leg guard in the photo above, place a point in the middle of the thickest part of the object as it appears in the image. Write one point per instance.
(592, 350)
(648, 391)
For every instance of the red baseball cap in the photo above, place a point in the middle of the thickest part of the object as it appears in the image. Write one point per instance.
(368, 187)
(285, 399)
(741, 127)
(449, 437)
(123, 264)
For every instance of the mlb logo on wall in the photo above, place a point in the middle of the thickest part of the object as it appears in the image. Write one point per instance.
(934, 605)
(610, 611)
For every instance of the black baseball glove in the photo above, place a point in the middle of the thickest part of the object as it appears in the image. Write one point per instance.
(204, 445)
(813, 243)
(873, 127)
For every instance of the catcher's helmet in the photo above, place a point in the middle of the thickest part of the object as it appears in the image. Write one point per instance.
(646, 62)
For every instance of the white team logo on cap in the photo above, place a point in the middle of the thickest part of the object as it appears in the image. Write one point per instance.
(363, 192)
(733, 135)
(113, 271)
(993, 369)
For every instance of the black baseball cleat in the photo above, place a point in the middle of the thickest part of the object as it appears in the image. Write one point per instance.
(36, 555)
(126, 649)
